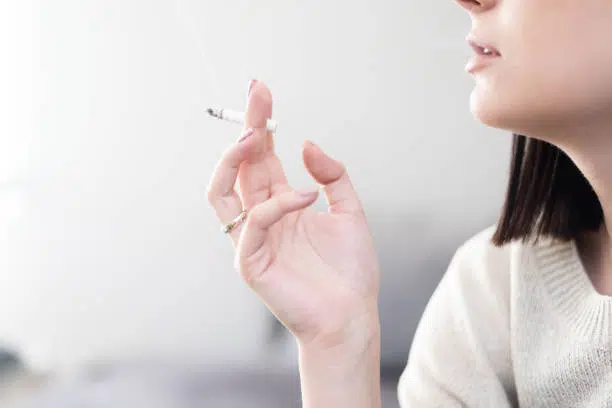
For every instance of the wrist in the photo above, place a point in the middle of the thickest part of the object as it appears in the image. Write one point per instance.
(343, 372)
(358, 338)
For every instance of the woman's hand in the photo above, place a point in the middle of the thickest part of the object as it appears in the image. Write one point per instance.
(318, 272)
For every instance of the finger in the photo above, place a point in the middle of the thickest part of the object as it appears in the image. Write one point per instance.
(337, 186)
(266, 214)
(262, 174)
(221, 193)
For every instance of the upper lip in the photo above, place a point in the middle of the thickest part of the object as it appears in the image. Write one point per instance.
(480, 46)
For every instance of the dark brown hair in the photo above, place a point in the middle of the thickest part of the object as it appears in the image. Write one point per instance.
(547, 195)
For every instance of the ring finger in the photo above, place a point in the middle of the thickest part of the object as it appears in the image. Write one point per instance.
(221, 193)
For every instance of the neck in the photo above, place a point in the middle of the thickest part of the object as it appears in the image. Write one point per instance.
(591, 153)
(590, 148)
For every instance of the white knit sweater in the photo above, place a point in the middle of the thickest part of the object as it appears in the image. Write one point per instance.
(515, 326)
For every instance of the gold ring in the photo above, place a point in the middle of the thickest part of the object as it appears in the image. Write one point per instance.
(229, 227)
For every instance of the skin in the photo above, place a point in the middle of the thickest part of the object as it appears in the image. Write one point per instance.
(319, 273)
(322, 285)
(553, 82)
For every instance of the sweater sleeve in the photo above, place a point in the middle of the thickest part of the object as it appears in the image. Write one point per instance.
(460, 355)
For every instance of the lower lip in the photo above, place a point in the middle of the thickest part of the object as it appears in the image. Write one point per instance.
(478, 62)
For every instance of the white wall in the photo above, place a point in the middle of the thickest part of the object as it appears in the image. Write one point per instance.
(112, 249)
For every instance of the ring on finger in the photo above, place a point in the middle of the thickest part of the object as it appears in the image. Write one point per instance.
(235, 222)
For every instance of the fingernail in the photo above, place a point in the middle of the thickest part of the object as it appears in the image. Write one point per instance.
(251, 83)
(308, 192)
(313, 144)
(245, 135)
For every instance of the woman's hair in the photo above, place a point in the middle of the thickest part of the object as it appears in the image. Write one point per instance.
(547, 195)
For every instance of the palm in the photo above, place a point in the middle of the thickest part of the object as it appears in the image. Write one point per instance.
(313, 266)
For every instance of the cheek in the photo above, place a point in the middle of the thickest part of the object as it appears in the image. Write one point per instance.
(540, 88)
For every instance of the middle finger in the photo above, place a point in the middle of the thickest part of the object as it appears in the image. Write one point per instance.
(261, 175)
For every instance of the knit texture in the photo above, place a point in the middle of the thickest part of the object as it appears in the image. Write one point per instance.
(517, 326)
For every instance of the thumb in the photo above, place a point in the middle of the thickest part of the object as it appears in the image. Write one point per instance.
(337, 186)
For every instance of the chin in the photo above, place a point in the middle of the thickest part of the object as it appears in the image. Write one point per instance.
(538, 112)
(497, 110)
(489, 110)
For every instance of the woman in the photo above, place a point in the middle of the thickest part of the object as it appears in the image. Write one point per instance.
(515, 320)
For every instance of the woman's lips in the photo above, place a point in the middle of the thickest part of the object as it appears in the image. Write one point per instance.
(485, 54)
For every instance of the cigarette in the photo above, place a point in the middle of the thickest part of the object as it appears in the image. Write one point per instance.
(236, 117)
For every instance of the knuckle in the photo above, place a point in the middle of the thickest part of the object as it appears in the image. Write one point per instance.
(283, 201)
(226, 202)
(256, 216)
(232, 156)
(211, 194)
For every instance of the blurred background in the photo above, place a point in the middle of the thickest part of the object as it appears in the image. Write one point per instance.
(109, 251)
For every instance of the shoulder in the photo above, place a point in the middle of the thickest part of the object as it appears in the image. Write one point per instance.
(476, 286)
(462, 346)
(480, 265)
(480, 249)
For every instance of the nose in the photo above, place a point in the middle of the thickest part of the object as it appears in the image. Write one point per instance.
(476, 6)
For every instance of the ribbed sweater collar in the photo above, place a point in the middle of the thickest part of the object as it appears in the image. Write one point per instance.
(587, 312)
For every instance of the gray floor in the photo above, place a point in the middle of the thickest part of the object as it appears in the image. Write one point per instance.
(161, 386)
